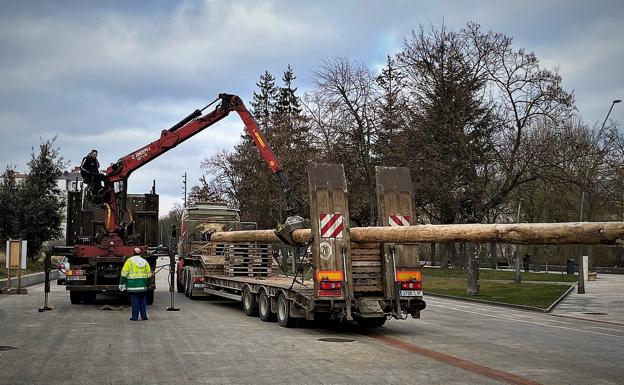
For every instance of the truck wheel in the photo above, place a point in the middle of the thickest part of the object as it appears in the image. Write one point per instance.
(186, 283)
(283, 312)
(75, 297)
(250, 305)
(375, 322)
(89, 297)
(190, 290)
(149, 298)
(264, 307)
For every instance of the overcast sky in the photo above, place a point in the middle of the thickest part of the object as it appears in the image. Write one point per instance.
(112, 74)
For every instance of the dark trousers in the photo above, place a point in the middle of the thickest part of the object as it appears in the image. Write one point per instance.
(95, 181)
(139, 304)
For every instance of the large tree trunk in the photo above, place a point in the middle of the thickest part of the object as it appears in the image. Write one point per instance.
(518, 233)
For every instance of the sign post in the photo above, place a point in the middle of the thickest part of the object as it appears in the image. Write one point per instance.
(15, 259)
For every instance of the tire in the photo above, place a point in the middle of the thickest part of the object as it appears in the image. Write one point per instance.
(190, 290)
(149, 299)
(180, 285)
(371, 322)
(283, 312)
(186, 283)
(250, 305)
(75, 297)
(264, 308)
(89, 297)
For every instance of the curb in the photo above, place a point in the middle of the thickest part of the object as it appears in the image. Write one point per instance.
(30, 279)
(509, 305)
(554, 304)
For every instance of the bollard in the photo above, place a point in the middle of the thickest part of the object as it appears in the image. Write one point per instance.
(581, 276)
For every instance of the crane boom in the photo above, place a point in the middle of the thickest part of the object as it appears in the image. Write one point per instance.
(170, 138)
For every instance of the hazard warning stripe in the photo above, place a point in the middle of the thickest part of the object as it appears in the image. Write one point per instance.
(331, 225)
(399, 220)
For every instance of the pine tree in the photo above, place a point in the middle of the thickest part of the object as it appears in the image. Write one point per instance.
(40, 212)
(263, 103)
(8, 205)
(287, 102)
(392, 112)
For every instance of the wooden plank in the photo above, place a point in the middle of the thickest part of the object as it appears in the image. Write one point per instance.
(365, 263)
(365, 252)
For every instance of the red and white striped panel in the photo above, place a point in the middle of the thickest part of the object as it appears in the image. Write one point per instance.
(399, 220)
(331, 225)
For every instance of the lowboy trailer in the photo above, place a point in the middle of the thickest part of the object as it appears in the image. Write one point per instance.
(333, 277)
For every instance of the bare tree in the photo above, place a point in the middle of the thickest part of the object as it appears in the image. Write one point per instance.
(349, 88)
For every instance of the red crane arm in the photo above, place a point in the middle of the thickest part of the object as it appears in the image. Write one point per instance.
(184, 130)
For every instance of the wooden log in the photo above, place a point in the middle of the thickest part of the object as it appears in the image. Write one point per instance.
(518, 233)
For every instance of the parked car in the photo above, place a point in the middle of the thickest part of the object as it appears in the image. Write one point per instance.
(63, 266)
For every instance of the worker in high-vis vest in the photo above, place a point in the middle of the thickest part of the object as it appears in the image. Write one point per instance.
(135, 276)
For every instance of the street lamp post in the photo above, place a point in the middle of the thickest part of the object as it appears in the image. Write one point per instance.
(613, 103)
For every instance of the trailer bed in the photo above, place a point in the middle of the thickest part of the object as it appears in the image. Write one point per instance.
(301, 292)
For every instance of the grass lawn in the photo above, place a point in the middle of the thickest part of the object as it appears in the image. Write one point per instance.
(499, 275)
(541, 295)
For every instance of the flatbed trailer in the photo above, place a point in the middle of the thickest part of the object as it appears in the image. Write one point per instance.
(343, 280)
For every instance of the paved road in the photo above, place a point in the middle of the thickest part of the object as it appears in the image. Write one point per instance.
(213, 342)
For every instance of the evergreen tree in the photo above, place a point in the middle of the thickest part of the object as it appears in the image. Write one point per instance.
(291, 139)
(40, 209)
(263, 103)
(8, 205)
(254, 185)
(392, 106)
(287, 102)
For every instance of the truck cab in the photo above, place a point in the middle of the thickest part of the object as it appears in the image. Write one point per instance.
(198, 223)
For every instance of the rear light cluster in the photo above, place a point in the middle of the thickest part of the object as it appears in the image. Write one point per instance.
(75, 272)
(412, 285)
(409, 280)
(330, 283)
(198, 280)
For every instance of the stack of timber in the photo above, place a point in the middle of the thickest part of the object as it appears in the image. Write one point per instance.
(212, 255)
(366, 267)
(247, 259)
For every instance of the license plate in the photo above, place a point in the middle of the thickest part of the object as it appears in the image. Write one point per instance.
(76, 278)
(410, 293)
(198, 286)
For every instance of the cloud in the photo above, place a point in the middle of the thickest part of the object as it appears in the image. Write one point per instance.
(112, 75)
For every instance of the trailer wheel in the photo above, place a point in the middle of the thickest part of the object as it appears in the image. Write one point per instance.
(250, 305)
(264, 307)
(283, 312)
(75, 297)
(149, 299)
(375, 322)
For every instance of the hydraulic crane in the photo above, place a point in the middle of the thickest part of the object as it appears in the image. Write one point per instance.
(113, 196)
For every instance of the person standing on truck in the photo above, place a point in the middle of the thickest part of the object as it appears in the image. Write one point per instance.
(90, 171)
(135, 276)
